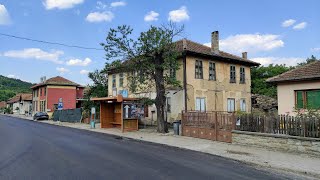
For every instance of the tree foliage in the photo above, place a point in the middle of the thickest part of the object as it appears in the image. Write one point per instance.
(9, 87)
(99, 88)
(148, 60)
(261, 73)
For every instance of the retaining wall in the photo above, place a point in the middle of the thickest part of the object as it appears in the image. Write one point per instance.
(278, 142)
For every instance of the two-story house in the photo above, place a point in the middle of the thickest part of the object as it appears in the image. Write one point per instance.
(212, 80)
(56, 93)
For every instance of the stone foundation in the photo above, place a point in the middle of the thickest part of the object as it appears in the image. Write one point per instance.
(280, 142)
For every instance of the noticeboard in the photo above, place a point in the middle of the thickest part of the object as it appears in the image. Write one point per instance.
(133, 110)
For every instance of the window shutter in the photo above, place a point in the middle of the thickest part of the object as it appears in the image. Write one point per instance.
(299, 96)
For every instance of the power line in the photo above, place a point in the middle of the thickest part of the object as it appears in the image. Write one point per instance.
(47, 42)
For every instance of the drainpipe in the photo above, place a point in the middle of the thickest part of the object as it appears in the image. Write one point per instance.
(184, 56)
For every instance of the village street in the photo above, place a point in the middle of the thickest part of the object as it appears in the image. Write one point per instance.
(32, 150)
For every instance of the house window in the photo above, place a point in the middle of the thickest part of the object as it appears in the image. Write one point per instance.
(212, 71)
(308, 99)
(40, 91)
(172, 73)
(201, 104)
(121, 80)
(232, 74)
(42, 106)
(198, 70)
(242, 75)
(243, 105)
(230, 103)
(45, 91)
(169, 104)
(113, 80)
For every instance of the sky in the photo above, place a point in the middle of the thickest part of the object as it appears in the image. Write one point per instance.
(271, 31)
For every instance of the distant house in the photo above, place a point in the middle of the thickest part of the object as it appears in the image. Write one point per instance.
(25, 102)
(298, 88)
(56, 93)
(3, 104)
(13, 103)
(21, 104)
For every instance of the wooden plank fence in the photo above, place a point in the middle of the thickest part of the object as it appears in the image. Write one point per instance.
(282, 124)
(213, 125)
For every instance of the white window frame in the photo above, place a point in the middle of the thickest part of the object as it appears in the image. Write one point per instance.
(231, 105)
(243, 105)
(200, 104)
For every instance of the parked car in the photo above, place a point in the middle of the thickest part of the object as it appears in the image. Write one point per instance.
(41, 116)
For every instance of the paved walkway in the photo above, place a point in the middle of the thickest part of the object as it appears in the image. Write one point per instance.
(276, 160)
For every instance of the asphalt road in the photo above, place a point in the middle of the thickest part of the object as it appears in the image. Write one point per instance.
(33, 150)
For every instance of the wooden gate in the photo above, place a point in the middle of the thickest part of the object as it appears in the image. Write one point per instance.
(213, 125)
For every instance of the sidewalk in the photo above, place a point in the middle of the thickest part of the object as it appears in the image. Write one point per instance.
(294, 163)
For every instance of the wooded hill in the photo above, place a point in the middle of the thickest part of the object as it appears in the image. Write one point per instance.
(9, 87)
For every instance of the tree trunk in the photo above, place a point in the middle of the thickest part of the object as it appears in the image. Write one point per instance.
(160, 99)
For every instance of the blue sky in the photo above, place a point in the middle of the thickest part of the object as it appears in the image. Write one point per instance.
(285, 31)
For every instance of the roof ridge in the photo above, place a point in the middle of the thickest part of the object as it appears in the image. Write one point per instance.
(292, 70)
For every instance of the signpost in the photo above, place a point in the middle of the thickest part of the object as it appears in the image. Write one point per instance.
(93, 117)
(60, 104)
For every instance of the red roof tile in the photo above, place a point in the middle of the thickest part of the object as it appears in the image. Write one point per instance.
(58, 80)
(307, 72)
(195, 47)
(3, 104)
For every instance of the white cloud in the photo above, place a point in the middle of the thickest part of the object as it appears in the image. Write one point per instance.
(179, 15)
(300, 26)
(61, 4)
(62, 70)
(100, 16)
(35, 53)
(4, 16)
(288, 22)
(13, 76)
(84, 71)
(315, 49)
(101, 5)
(250, 43)
(290, 61)
(151, 16)
(79, 62)
(118, 3)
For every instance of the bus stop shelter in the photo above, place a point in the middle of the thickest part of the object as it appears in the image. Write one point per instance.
(119, 112)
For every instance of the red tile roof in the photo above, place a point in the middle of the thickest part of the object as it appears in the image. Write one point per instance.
(26, 97)
(14, 99)
(307, 72)
(195, 47)
(58, 80)
(3, 104)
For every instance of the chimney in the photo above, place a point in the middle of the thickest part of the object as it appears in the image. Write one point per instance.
(184, 44)
(245, 55)
(215, 42)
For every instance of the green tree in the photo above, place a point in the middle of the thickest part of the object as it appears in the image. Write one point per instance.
(260, 74)
(149, 58)
(308, 60)
(97, 89)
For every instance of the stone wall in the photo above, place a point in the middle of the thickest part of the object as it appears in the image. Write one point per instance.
(278, 142)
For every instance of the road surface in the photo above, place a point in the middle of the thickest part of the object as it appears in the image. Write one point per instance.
(33, 150)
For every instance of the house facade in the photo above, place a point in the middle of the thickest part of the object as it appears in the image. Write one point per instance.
(212, 80)
(56, 93)
(21, 104)
(298, 89)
